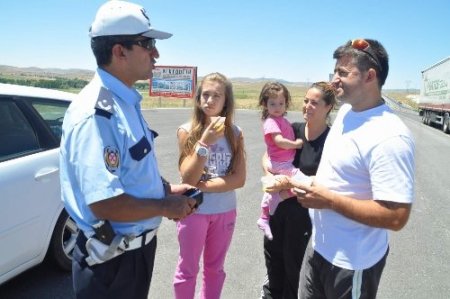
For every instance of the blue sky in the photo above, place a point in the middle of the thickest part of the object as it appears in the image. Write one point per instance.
(291, 40)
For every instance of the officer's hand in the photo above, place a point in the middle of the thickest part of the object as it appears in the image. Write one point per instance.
(178, 206)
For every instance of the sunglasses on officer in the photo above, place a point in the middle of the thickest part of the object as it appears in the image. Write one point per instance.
(364, 46)
(149, 43)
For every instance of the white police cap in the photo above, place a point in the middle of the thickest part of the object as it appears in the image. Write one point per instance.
(124, 18)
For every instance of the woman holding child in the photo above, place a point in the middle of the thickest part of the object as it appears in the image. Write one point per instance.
(290, 224)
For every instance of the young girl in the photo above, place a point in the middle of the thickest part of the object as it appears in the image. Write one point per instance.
(212, 159)
(281, 144)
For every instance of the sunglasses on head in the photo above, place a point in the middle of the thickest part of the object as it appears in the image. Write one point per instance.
(364, 46)
(148, 43)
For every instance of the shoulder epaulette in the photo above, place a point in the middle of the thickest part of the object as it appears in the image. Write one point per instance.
(155, 134)
(105, 103)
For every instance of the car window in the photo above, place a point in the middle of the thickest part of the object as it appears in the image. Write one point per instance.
(53, 113)
(16, 133)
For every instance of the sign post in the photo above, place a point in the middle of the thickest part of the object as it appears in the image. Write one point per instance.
(174, 81)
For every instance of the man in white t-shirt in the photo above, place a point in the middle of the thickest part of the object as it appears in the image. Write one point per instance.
(364, 185)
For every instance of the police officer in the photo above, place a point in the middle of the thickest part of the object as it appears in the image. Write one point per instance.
(111, 185)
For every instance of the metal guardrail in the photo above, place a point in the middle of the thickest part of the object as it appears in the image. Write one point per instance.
(399, 106)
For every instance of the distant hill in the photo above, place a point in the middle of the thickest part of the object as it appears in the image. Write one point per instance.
(49, 73)
(35, 72)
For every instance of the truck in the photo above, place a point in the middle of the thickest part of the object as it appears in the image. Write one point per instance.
(434, 100)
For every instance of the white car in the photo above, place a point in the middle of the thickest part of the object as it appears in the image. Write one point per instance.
(33, 221)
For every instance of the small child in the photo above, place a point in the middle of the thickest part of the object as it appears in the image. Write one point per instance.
(281, 144)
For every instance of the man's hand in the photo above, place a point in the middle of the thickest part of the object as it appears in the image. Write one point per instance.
(376, 213)
(314, 196)
(178, 206)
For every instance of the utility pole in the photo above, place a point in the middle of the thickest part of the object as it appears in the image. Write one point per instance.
(408, 83)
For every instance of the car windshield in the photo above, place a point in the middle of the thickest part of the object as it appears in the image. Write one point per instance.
(53, 113)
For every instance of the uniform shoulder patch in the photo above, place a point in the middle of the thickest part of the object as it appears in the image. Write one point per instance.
(111, 155)
(154, 133)
(105, 103)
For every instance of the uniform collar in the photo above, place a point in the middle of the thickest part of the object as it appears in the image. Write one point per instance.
(127, 94)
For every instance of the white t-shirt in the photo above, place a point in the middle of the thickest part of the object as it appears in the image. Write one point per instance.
(216, 165)
(367, 155)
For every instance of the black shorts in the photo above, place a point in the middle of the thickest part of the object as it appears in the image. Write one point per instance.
(321, 279)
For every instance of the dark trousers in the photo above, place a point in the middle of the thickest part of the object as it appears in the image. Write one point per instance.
(125, 276)
(322, 280)
(291, 229)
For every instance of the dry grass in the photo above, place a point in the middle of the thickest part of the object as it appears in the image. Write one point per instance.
(403, 97)
(245, 94)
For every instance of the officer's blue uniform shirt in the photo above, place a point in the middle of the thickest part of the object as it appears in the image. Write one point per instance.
(106, 150)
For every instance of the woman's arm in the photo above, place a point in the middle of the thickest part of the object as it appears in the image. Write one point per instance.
(231, 181)
(192, 167)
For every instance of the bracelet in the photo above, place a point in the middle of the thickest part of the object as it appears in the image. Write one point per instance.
(202, 143)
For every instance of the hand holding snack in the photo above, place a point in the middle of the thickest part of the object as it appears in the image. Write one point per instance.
(219, 123)
(214, 131)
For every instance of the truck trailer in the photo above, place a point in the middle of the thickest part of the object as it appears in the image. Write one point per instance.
(434, 100)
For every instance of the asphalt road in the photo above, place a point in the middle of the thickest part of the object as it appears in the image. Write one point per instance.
(418, 265)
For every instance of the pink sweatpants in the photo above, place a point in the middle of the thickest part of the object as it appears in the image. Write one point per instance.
(208, 233)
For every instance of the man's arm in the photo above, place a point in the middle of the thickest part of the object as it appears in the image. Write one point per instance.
(376, 213)
(124, 207)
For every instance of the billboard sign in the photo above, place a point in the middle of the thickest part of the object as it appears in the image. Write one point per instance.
(174, 81)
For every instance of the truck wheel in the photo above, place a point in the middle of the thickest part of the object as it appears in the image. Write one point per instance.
(63, 241)
(445, 125)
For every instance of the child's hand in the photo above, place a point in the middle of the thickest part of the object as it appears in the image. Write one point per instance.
(299, 143)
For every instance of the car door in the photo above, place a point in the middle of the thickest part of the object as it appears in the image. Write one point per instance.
(29, 183)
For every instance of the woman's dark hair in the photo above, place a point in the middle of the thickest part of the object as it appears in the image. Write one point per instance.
(328, 91)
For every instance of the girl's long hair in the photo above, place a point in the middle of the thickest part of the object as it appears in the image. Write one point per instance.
(198, 121)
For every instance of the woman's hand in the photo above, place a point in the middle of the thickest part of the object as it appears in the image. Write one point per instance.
(179, 188)
(275, 183)
(212, 132)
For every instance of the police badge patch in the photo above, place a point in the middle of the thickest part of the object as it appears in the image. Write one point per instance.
(111, 156)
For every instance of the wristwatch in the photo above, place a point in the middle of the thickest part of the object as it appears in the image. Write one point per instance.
(202, 151)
